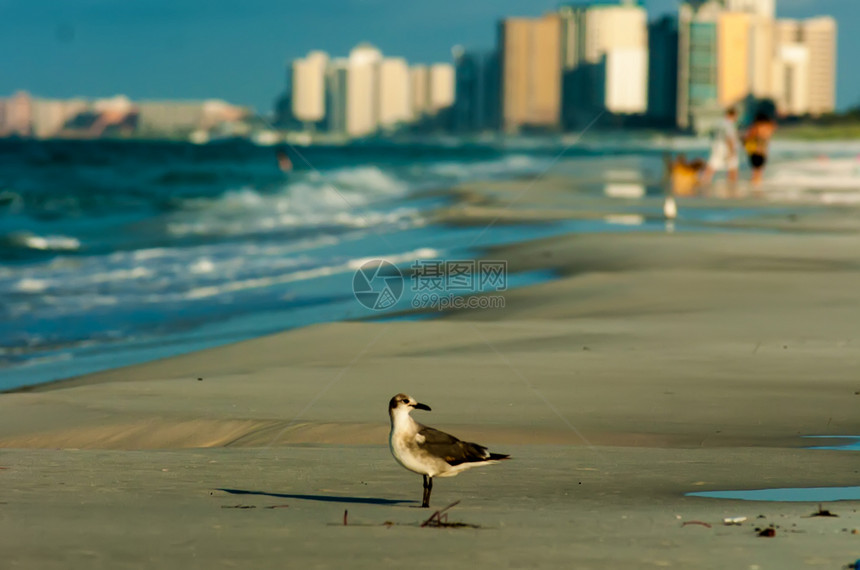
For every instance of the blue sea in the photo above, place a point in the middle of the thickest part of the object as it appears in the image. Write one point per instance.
(113, 253)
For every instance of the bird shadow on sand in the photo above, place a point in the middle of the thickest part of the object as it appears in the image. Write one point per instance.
(322, 498)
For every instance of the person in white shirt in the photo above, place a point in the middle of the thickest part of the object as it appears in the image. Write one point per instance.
(725, 150)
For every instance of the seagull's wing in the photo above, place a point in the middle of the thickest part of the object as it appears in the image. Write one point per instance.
(449, 448)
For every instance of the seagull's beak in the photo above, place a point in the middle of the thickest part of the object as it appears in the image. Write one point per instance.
(421, 407)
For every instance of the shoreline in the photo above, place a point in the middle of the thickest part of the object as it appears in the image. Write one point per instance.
(480, 203)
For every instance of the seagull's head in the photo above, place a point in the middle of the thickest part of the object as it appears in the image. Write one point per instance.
(401, 403)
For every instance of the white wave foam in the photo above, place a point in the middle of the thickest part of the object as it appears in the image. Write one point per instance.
(341, 197)
(47, 243)
(508, 165)
(30, 285)
(820, 174)
(316, 272)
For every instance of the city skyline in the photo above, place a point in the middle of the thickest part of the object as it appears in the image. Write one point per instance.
(177, 50)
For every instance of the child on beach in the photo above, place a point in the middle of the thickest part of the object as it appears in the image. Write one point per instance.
(756, 143)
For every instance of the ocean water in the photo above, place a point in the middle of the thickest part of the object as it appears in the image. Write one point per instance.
(113, 253)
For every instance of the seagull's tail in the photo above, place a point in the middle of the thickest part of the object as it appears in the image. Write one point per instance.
(498, 457)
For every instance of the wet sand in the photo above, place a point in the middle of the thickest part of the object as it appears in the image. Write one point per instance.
(655, 365)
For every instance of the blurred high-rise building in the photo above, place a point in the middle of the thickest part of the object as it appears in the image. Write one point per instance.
(604, 59)
(663, 71)
(441, 88)
(308, 87)
(419, 83)
(336, 80)
(791, 71)
(819, 37)
(761, 53)
(477, 91)
(733, 58)
(17, 116)
(698, 90)
(804, 75)
(362, 91)
(530, 60)
(395, 105)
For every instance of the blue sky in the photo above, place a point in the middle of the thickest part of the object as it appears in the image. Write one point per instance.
(238, 50)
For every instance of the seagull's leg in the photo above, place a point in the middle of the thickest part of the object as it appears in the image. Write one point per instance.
(425, 500)
(428, 487)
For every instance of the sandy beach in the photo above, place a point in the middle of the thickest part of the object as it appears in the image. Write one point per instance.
(655, 365)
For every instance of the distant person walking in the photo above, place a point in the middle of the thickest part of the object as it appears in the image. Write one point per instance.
(724, 149)
(756, 143)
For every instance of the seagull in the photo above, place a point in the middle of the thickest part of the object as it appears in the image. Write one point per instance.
(670, 208)
(430, 452)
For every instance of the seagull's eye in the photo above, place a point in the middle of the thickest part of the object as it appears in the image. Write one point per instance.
(405, 401)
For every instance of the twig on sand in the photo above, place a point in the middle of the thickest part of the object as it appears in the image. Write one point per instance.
(700, 523)
(437, 518)
(345, 517)
(276, 507)
(238, 506)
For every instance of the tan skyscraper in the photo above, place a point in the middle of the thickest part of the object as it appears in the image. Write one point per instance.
(733, 57)
(395, 105)
(530, 51)
(819, 37)
(308, 80)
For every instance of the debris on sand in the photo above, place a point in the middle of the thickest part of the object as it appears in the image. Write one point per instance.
(823, 513)
(768, 532)
(439, 519)
(730, 521)
(700, 523)
(238, 506)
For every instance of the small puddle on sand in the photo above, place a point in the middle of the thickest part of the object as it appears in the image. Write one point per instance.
(790, 495)
(797, 494)
(853, 445)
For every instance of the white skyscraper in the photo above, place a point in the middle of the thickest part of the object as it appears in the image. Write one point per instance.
(626, 80)
(791, 74)
(362, 91)
(441, 87)
(308, 80)
(395, 105)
